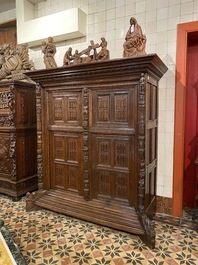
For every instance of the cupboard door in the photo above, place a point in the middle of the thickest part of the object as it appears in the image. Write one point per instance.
(113, 156)
(66, 141)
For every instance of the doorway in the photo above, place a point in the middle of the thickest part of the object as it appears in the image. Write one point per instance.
(191, 117)
(185, 141)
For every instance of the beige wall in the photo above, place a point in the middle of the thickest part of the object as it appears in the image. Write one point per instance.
(110, 18)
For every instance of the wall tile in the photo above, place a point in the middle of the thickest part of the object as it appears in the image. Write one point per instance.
(187, 8)
(174, 11)
(151, 16)
(110, 14)
(162, 13)
(162, 3)
(151, 5)
(162, 25)
(140, 7)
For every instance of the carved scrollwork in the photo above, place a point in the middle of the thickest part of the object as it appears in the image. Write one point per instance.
(149, 228)
(12, 153)
(7, 101)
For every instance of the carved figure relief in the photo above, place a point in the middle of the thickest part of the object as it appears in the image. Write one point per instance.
(135, 40)
(90, 54)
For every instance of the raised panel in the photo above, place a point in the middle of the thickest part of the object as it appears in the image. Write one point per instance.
(22, 160)
(103, 108)
(22, 102)
(121, 180)
(58, 109)
(66, 156)
(59, 173)
(121, 107)
(104, 183)
(114, 108)
(26, 147)
(72, 108)
(66, 109)
(72, 149)
(121, 153)
(59, 150)
(104, 152)
(111, 167)
(6, 161)
(73, 177)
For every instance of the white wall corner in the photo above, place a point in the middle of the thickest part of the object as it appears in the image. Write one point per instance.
(68, 24)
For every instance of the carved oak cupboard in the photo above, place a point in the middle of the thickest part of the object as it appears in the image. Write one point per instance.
(97, 141)
(18, 138)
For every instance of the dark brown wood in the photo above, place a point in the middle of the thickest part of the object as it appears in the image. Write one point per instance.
(18, 138)
(97, 141)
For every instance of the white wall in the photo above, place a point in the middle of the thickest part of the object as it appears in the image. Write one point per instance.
(110, 18)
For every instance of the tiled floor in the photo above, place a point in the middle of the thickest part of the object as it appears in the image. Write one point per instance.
(45, 237)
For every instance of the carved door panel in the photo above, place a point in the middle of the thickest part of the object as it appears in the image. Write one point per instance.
(114, 160)
(67, 162)
(113, 168)
(66, 141)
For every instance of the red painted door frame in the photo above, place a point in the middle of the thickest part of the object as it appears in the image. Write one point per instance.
(180, 100)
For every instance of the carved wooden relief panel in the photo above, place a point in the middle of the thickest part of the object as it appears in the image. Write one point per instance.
(67, 163)
(65, 109)
(111, 167)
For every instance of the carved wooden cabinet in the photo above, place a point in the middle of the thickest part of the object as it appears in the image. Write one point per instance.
(97, 141)
(18, 138)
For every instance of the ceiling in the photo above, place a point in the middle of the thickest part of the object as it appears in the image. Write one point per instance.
(10, 4)
(7, 5)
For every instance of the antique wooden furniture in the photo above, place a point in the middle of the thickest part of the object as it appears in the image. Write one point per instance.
(97, 141)
(18, 138)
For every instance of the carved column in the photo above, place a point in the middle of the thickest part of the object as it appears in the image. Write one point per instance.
(148, 225)
(39, 137)
(86, 141)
